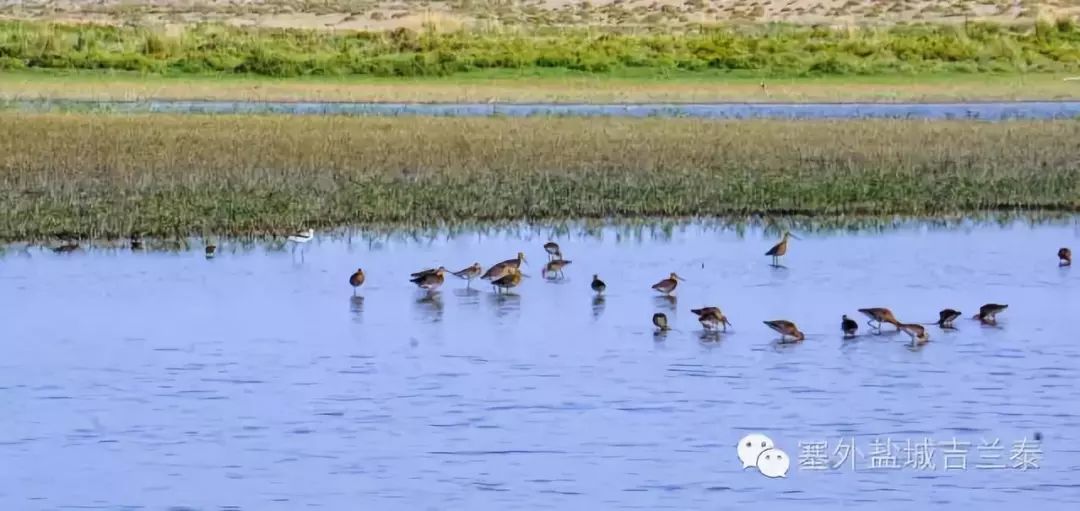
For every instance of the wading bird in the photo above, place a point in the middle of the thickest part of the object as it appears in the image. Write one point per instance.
(660, 321)
(356, 279)
(880, 315)
(430, 281)
(469, 273)
(211, 251)
(70, 246)
(136, 241)
(510, 279)
(711, 318)
(500, 269)
(553, 250)
(668, 285)
(422, 273)
(946, 318)
(1064, 257)
(598, 285)
(917, 332)
(554, 266)
(848, 326)
(301, 238)
(988, 313)
(778, 250)
(786, 329)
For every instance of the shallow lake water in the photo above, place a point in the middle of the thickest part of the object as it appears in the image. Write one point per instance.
(256, 380)
(988, 111)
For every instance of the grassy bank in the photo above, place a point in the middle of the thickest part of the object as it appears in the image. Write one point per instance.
(80, 175)
(546, 85)
(764, 50)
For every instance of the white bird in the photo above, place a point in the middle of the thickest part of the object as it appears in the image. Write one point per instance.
(300, 238)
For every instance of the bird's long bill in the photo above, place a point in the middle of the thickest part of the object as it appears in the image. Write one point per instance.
(680, 278)
(794, 236)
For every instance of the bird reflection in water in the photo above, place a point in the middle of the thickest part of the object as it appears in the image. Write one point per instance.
(356, 306)
(598, 304)
(430, 306)
(666, 302)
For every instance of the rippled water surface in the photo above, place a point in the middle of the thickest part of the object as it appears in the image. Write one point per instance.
(991, 111)
(256, 380)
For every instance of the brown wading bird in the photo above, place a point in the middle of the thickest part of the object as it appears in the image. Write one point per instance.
(917, 332)
(500, 269)
(880, 315)
(711, 318)
(430, 281)
(660, 321)
(136, 241)
(848, 326)
(510, 279)
(1064, 257)
(778, 250)
(988, 313)
(552, 249)
(554, 266)
(469, 273)
(598, 285)
(786, 329)
(668, 285)
(211, 250)
(946, 318)
(356, 279)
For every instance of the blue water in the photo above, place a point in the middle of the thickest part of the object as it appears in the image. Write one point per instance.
(256, 380)
(991, 111)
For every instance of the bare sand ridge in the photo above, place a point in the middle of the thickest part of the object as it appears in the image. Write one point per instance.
(386, 14)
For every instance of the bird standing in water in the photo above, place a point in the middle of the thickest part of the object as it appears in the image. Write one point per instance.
(68, 247)
(469, 273)
(1064, 257)
(848, 326)
(786, 329)
(554, 266)
(711, 318)
(501, 268)
(509, 280)
(946, 318)
(660, 321)
(430, 281)
(917, 332)
(598, 285)
(880, 315)
(356, 279)
(988, 313)
(778, 250)
(668, 285)
(553, 250)
(211, 251)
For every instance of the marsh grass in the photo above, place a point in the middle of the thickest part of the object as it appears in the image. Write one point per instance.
(774, 50)
(102, 176)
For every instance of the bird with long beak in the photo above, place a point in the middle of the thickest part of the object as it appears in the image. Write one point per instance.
(988, 313)
(509, 280)
(553, 250)
(946, 318)
(786, 329)
(917, 332)
(500, 269)
(554, 266)
(880, 315)
(778, 250)
(430, 281)
(469, 273)
(711, 318)
(1064, 257)
(668, 285)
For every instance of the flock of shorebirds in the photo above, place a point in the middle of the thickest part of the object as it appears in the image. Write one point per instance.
(506, 275)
